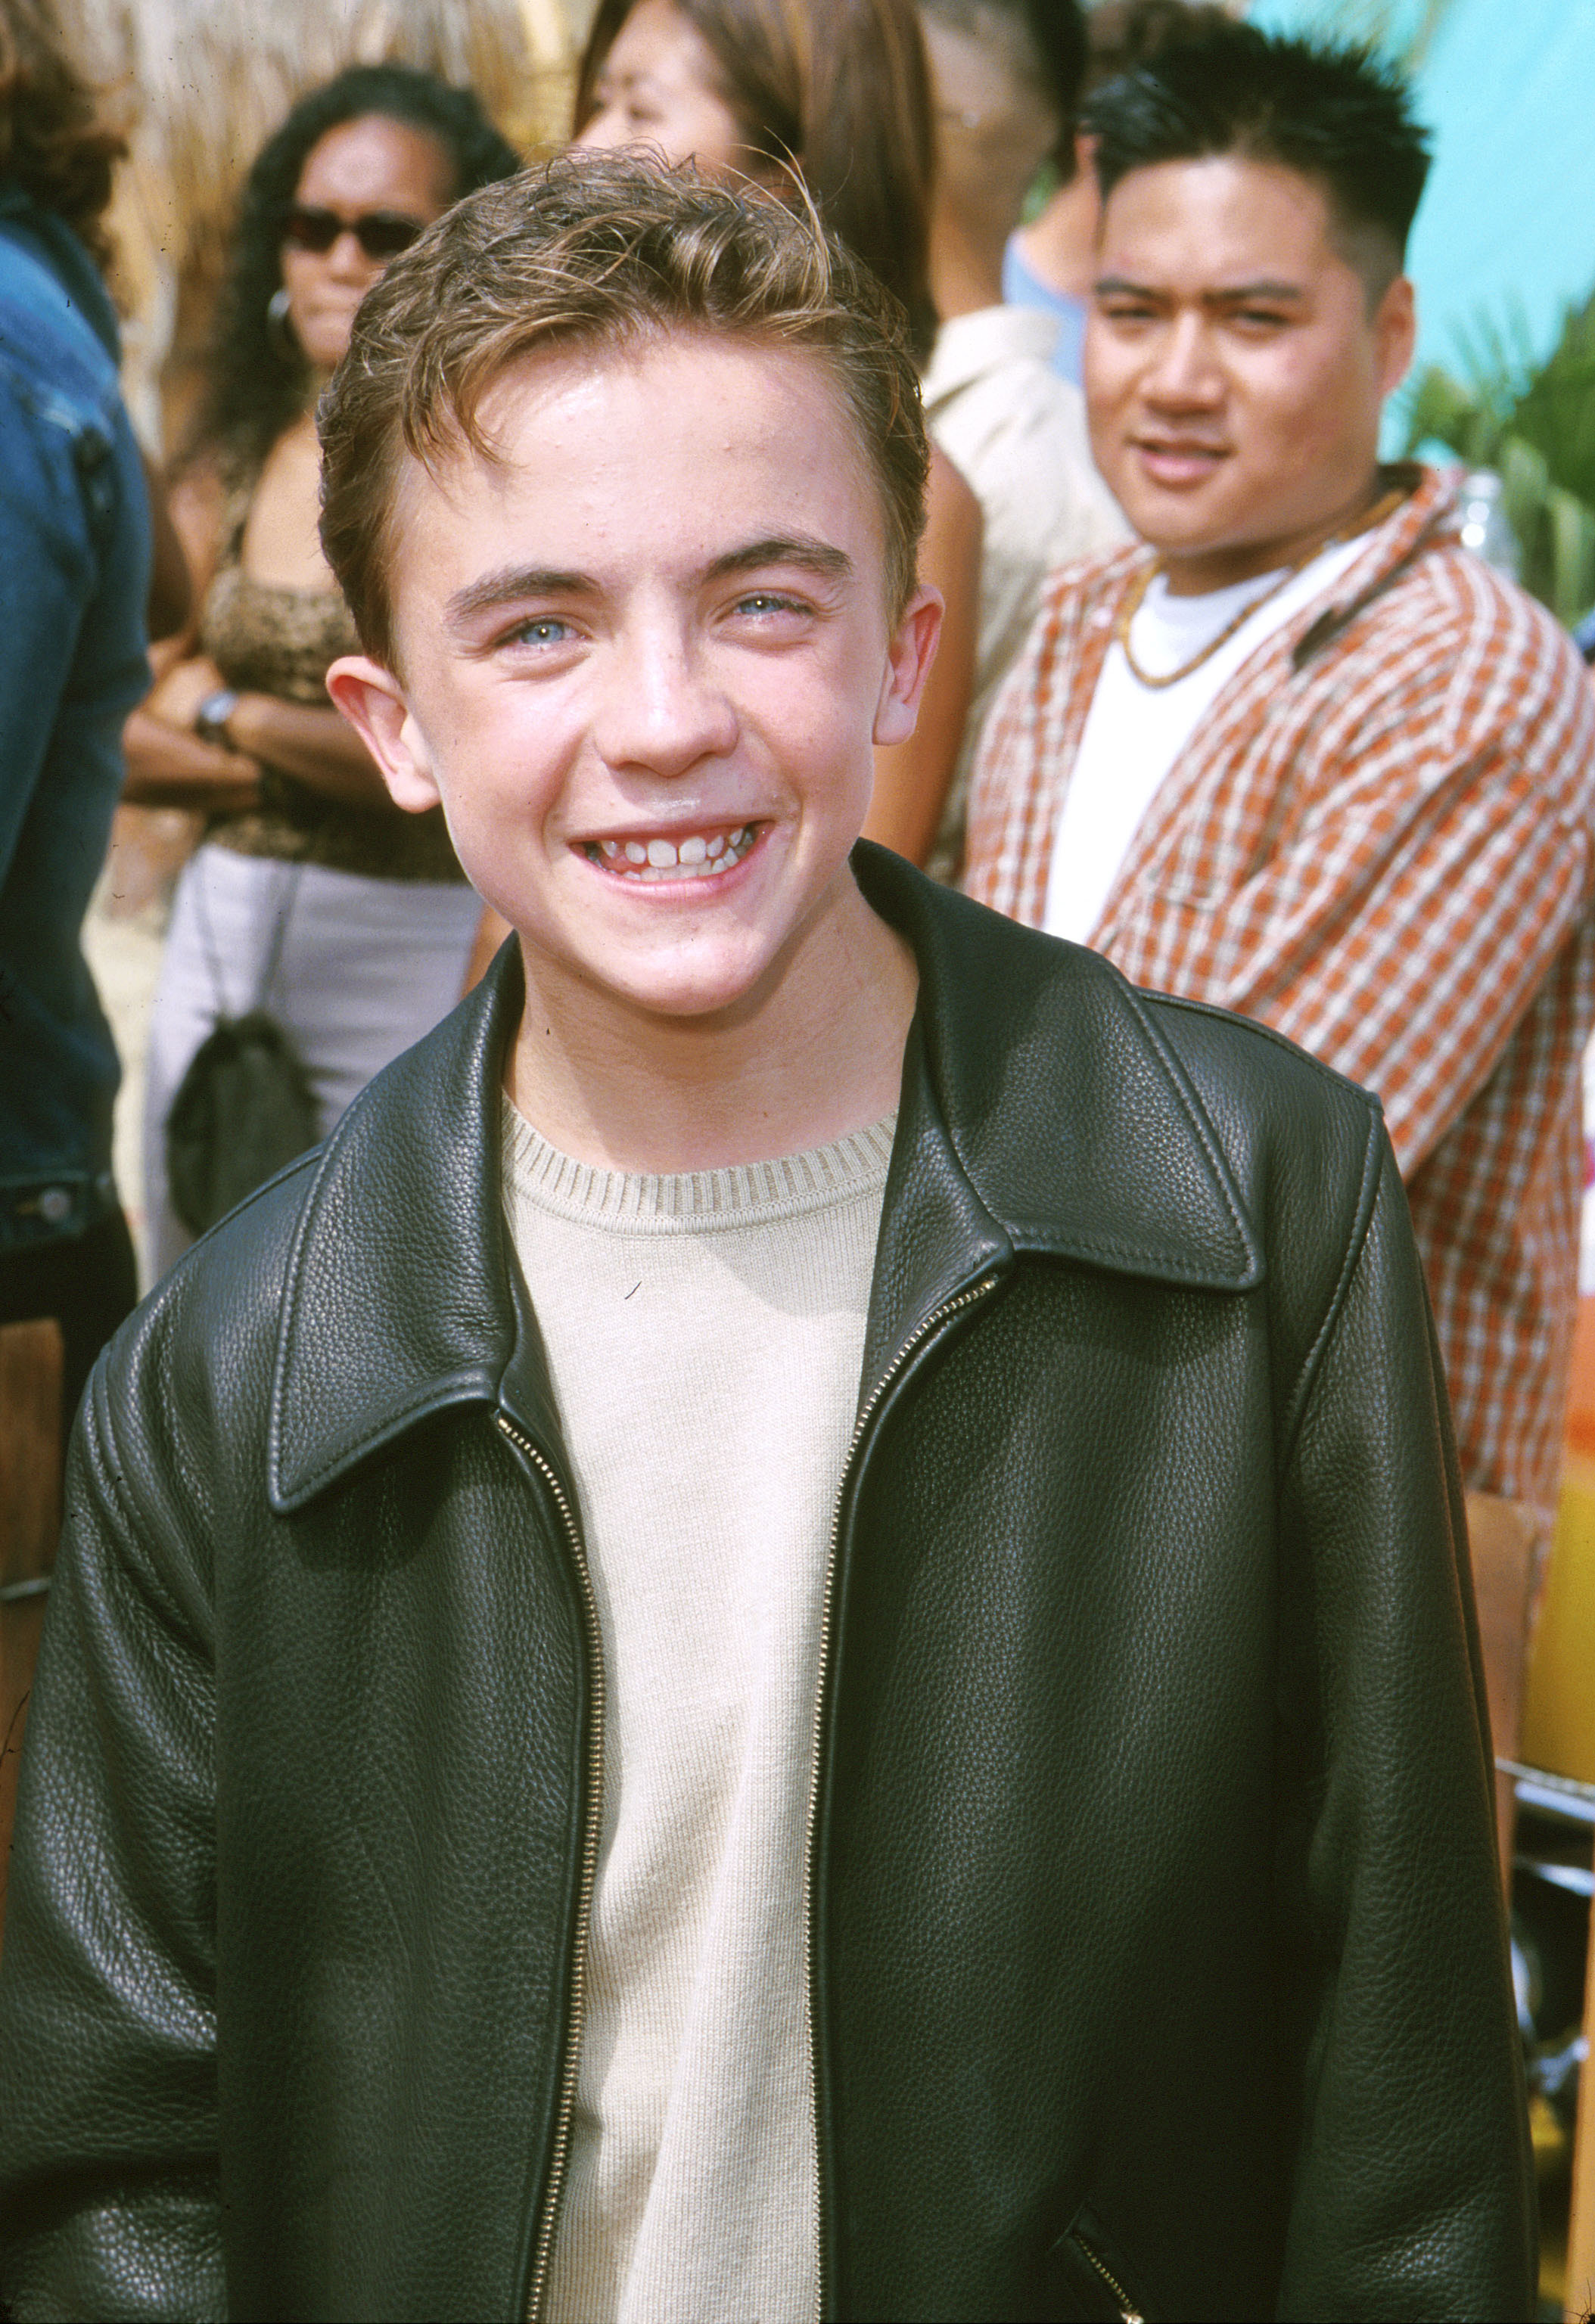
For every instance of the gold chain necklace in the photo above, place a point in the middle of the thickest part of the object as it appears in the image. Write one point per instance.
(1132, 603)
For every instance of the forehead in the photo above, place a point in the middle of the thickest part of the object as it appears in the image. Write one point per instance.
(658, 43)
(1215, 220)
(644, 461)
(378, 162)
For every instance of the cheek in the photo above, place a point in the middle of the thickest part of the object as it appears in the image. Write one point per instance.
(711, 135)
(503, 762)
(1109, 373)
(302, 269)
(1297, 399)
(1107, 384)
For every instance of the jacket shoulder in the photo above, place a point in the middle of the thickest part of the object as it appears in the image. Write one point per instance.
(1305, 1144)
(1264, 1069)
(1165, 1139)
(1259, 1081)
(46, 341)
(193, 1362)
(1313, 1166)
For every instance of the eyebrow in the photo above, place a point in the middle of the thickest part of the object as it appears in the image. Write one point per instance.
(512, 583)
(1225, 295)
(508, 585)
(811, 555)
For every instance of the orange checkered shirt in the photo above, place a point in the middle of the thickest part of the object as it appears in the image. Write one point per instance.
(1378, 841)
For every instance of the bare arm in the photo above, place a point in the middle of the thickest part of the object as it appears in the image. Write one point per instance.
(168, 766)
(171, 604)
(317, 746)
(912, 777)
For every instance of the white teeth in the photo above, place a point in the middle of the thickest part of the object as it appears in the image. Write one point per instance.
(694, 858)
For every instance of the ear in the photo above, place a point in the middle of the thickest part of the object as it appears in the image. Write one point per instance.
(373, 702)
(1395, 332)
(909, 657)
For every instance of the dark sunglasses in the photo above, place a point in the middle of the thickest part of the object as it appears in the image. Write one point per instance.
(381, 234)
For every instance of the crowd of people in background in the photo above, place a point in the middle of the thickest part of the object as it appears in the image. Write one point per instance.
(1206, 698)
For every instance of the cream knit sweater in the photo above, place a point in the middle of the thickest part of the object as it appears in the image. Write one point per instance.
(704, 1334)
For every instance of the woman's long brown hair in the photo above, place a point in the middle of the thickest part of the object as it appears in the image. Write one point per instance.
(842, 89)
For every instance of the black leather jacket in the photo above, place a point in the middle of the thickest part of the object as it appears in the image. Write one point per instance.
(1155, 1952)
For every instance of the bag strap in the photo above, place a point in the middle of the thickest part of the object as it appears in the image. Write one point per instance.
(273, 951)
(279, 935)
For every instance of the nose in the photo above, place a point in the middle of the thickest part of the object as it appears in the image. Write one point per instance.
(347, 261)
(1184, 375)
(662, 711)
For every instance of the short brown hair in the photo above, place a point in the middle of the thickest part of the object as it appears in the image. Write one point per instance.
(592, 251)
(840, 89)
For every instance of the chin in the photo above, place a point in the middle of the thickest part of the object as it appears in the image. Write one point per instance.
(1172, 520)
(686, 989)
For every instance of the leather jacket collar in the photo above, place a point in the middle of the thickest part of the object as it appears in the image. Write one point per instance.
(403, 1300)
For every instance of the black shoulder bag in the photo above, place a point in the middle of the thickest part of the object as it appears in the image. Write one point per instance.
(244, 1107)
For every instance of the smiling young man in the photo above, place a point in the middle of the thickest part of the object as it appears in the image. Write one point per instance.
(789, 1638)
(1302, 755)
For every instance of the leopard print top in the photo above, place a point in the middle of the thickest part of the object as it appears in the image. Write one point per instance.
(265, 640)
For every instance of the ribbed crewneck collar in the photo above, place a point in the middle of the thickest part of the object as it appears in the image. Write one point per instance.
(677, 1202)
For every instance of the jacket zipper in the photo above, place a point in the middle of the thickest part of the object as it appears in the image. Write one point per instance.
(589, 1870)
(1129, 2314)
(911, 1347)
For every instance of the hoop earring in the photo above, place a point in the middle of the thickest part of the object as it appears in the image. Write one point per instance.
(279, 329)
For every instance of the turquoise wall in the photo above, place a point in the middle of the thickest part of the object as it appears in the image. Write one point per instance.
(1507, 227)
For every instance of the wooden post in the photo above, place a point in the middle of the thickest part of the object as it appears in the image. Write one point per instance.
(1579, 2299)
(30, 1521)
(1501, 1547)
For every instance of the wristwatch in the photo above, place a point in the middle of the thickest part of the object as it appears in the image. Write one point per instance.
(210, 720)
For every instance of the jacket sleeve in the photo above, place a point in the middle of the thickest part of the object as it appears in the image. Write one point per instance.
(47, 575)
(1412, 2191)
(109, 2196)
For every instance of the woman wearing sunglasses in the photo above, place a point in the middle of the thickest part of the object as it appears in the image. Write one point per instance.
(311, 896)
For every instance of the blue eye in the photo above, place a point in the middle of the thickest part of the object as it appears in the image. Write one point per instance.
(543, 630)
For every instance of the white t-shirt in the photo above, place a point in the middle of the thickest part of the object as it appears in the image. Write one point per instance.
(1134, 734)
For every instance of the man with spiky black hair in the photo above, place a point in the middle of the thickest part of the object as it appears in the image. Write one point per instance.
(1300, 754)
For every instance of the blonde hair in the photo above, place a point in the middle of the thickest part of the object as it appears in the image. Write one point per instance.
(592, 251)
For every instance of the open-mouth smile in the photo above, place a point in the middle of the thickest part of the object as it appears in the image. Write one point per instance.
(705, 854)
